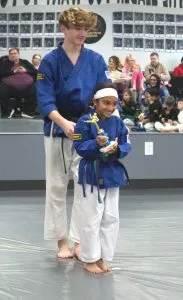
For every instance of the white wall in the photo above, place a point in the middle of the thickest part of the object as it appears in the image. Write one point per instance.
(105, 45)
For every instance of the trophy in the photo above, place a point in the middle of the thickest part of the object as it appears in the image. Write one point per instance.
(94, 120)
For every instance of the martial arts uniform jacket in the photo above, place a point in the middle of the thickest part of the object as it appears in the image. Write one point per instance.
(109, 172)
(68, 88)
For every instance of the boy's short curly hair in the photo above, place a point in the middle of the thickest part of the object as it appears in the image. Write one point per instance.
(77, 17)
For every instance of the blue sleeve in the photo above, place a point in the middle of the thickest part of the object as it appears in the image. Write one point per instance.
(85, 147)
(102, 75)
(46, 88)
(124, 145)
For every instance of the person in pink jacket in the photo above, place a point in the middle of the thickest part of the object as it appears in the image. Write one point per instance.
(132, 75)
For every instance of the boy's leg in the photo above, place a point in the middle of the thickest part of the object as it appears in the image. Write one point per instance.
(110, 224)
(90, 219)
(91, 212)
(55, 225)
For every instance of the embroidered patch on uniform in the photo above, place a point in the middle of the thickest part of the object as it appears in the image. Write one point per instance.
(76, 137)
(40, 76)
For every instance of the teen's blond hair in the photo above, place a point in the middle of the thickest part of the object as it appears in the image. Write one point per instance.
(77, 17)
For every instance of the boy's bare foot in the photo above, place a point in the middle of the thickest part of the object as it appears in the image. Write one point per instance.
(64, 251)
(93, 268)
(103, 266)
(76, 250)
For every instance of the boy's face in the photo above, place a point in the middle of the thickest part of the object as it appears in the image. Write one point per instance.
(153, 98)
(180, 105)
(105, 106)
(169, 106)
(75, 35)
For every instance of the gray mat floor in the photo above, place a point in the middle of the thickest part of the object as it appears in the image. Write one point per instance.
(148, 264)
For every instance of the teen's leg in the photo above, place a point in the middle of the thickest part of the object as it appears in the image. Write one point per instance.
(74, 233)
(110, 225)
(55, 225)
(91, 212)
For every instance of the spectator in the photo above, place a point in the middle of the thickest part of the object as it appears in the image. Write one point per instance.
(155, 67)
(178, 71)
(17, 80)
(175, 126)
(36, 59)
(128, 108)
(113, 66)
(132, 76)
(115, 73)
(148, 119)
(154, 82)
(168, 115)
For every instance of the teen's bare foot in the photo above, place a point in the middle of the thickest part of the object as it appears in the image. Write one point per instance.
(103, 266)
(93, 268)
(64, 251)
(76, 250)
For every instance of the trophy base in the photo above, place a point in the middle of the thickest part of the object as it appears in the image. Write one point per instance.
(105, 149)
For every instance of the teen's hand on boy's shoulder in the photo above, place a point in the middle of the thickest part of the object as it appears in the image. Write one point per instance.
(101, 140)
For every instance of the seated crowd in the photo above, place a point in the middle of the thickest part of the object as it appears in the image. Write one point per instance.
(17, 85)
(144, 96)
(149, 100)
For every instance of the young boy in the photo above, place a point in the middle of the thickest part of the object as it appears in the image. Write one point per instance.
(100, 176)
(169, 114)
(154, 110)
(176, 126)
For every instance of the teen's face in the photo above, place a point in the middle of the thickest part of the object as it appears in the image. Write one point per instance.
(105, 106)
(126, 97)
(75, 35)
(153, 81)
(154, 60)
(153, 98)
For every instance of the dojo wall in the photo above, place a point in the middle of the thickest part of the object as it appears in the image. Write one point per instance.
(105, 45)
(22, 157)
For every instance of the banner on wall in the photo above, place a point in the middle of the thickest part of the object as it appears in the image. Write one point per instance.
(156, 3)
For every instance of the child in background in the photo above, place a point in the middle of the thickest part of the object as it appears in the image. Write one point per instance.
(100, 176)
(175, 126)
(128, 108)
(154, 109)
(169, 114)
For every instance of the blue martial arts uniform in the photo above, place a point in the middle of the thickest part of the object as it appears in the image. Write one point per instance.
(110, 171)
(66, 87)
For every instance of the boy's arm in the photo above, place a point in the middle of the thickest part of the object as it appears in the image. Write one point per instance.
(84, 145)
(124, 144)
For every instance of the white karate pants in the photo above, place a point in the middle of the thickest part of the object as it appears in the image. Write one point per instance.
(55, 224)
(99, 224)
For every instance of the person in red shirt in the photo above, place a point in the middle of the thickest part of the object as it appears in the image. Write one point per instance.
(178, 71)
